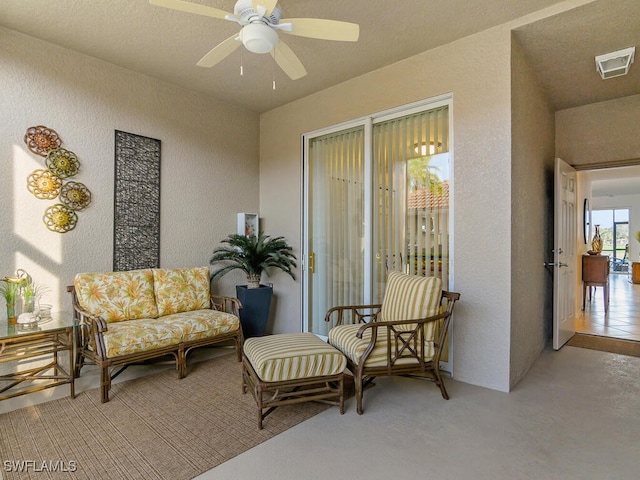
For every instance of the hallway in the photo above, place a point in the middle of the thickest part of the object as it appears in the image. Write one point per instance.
(623, 318)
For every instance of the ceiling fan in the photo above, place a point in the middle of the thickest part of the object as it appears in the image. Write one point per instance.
(260, 21)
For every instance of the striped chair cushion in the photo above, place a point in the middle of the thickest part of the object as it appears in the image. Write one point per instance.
(343, 337)
(292, 356)
(406, 297)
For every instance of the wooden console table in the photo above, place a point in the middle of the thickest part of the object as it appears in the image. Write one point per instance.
(635, 272)
(35, 355)
(595, 273)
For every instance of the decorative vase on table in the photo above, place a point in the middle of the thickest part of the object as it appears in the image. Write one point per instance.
(596, 243)
(12, 319)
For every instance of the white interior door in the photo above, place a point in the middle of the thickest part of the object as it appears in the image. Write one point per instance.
(565, 257)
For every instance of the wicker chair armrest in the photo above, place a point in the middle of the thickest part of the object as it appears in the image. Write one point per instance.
(91, 327)
(226, 304)
(395, 350)
(355, 314)
(395, 323)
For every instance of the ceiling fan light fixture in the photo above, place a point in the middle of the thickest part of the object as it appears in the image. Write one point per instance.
(615, 64)
(258, 38)
(423, 149)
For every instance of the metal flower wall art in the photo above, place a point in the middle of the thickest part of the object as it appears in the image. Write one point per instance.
(52, 183)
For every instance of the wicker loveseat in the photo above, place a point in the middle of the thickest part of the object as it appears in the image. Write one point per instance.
(129, 317)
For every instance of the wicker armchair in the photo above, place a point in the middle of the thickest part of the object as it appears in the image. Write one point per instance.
(405, 335)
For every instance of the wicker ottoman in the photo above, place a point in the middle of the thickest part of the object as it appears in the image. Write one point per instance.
(292, 368)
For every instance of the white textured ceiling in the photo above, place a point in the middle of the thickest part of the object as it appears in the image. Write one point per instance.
(166, 44)
(562, 50)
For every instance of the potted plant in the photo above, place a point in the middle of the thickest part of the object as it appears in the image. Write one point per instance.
(10, 289)
(20, 288)
(253, 254)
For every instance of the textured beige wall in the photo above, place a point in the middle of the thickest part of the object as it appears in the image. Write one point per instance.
(208, 149)
(532, 147)
(481, 182)
(600, 132)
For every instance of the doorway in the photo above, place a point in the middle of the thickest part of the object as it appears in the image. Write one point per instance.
(615, 204)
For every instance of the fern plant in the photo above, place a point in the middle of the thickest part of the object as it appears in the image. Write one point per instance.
(253, 254)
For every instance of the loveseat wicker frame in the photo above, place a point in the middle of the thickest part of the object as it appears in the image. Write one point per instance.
(90, 347)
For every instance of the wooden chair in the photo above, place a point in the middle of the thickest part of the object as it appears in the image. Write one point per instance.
(405, 335)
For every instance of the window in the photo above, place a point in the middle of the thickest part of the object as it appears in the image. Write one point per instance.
(614, 231)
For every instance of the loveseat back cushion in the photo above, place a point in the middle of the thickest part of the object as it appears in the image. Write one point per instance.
(409, 297)
(117, 296)
(181, 289)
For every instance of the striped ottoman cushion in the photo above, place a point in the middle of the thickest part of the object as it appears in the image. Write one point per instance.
(291, 356)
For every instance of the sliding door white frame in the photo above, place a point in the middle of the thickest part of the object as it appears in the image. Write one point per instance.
(367, 124)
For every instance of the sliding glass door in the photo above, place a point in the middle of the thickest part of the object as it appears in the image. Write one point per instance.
(335, 262)
(376, 200)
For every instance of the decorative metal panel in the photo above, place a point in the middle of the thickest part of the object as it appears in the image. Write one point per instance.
(136, 227)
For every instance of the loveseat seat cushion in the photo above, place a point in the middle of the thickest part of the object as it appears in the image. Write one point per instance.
(117, 296)
(198, 324)
(135, 336)
(181, 289)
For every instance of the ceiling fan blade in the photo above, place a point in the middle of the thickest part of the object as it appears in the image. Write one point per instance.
(191, 8)
(269, 5)
(288, 61)
(323, 29)
(219, 52)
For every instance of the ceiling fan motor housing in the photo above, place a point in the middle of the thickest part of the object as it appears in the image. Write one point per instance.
(244, 10)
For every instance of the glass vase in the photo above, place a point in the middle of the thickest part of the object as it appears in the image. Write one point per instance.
(596, 243)
(12, 318)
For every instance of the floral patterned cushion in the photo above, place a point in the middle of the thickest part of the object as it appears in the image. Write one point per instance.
(181, 289)
(134, 336)
(117, 296)
(198, 324)
(124, 338)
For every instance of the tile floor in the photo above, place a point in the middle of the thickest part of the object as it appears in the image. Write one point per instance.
(623, 318)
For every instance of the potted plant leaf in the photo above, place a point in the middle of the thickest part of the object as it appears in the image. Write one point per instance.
(9, 289)
(254, 255)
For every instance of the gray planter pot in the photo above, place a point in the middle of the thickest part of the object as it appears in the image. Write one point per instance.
(254, 314)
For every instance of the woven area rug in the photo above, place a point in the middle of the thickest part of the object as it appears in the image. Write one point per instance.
(154, 427)
(605, 344)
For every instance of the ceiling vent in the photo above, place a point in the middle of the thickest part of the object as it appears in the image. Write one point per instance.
(615, 64)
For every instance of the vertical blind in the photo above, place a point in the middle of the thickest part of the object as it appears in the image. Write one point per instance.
(336, 219)
(411, 206)
(409, 187)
